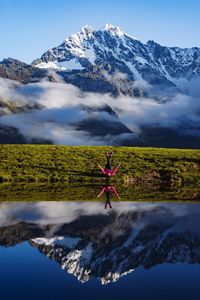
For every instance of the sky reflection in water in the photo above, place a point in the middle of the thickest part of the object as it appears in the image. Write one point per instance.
(114, 252)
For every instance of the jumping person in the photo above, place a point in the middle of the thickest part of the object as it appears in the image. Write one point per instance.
(107, 171)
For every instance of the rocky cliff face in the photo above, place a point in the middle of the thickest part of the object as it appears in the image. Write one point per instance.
(16, 70)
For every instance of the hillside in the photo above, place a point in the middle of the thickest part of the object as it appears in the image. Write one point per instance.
(73, 164)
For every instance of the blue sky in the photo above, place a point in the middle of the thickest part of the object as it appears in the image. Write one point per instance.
(30, 27)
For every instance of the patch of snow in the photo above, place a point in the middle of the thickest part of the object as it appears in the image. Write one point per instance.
(49, 65)
(164, 71)
(60, 240)
(46, 241)
(141, 60)
(75, 263)
(134, 71)
(78, 38)
(135, 231)
(90, 55)
(72, 64)
(87, 29)
(114, 30)
(69, 242)
(113, 277)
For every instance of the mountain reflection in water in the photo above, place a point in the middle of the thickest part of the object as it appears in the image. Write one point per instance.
(91, 242)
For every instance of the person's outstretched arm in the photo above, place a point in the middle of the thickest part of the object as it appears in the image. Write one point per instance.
(101, 168)
(115, 169)
(115, 192)
(102, 191)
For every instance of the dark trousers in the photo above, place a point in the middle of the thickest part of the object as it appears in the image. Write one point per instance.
(108, 163)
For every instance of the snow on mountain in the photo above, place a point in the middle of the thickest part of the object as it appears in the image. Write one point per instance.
(111, 45)
(148, 247)
(58, 240)
(131, 239)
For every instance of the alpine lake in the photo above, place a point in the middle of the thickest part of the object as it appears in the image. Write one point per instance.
(99, 242)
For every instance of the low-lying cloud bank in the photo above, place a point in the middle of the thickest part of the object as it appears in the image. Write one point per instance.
(64, 106)
(44, 213)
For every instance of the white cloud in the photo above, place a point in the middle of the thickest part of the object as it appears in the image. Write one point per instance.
(64, 106)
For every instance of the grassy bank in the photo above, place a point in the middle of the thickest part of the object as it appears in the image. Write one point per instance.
(48, 192)
(86, 192)
(66, 164)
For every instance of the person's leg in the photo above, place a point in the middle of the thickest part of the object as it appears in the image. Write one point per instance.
(108, 157)
(108, 163)
(107, 200)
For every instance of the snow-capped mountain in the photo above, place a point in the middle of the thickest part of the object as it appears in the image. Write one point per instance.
(163, 82)
(115, 50)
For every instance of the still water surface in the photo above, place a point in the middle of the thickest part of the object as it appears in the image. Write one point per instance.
(97, 250)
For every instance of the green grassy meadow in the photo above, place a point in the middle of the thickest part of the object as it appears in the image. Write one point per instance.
(78, 164)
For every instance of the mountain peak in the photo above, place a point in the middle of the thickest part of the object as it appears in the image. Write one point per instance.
(123, 53)
(114, 30)
(84, 33)
(87, 29)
